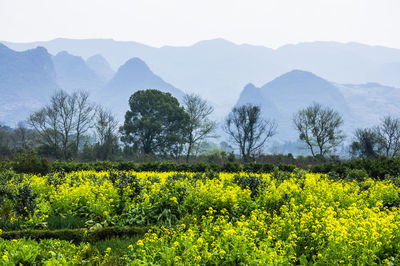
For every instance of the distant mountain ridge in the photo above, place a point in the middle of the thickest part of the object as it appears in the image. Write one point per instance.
(29, 78)
(26, 81)
(219, 69)
(361, 105)
(132, 76)
(101, 67)
(73, 73)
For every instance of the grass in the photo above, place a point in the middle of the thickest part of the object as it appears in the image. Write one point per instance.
(118, 245)
(65, 222)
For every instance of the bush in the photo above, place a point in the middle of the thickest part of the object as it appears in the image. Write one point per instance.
(254, 183)
(356, 174)
(231, 167)
(30, 163)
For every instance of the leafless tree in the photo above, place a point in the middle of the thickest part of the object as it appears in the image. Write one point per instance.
(106, 127)
(200, 127)
(45, 124)
(62, 122)
(84, 115)
(248, 129)
(319, 128)
(389, 136)
(65, 106)
(22, 136)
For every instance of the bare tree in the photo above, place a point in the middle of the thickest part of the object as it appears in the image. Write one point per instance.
(65, 106)
(200, 127)
(22, 136)
(106, 127)
(319, 128)
(45, 123)
(248, 129)
(84, 115)
(389, 136)
(62, 122)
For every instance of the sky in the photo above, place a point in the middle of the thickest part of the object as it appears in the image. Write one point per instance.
(270, 23)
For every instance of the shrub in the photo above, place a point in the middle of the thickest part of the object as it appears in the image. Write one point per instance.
(231, 167)
(30, 163)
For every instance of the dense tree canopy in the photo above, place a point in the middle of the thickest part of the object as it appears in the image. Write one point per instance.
(155, 123)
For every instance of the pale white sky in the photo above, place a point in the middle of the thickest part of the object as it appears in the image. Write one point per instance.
(269, 23)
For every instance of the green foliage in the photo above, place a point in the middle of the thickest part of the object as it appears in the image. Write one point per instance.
(375, 168)
(25, 200)
(231, 167)
(155, 122)
(254, 183)
(65, 222)
(30, 163)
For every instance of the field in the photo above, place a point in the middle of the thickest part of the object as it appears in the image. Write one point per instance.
(181, 218)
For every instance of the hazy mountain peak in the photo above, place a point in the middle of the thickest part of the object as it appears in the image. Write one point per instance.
(135, 74)
(249, 86)
(299, 74)
(132, 76)
(73, 72)
(100, 66)
(217, 42)
(135, 63)
(26, 80)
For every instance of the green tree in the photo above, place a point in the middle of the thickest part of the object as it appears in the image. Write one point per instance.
(155, 123)
(366, 143)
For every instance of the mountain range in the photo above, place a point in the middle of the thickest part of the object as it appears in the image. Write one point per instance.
(29, 78)
(346, 77)
(213, 67)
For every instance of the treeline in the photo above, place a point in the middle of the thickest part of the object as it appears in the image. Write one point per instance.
(159, 128)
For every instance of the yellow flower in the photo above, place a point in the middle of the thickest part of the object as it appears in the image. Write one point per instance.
(139, 243)
(174, 199)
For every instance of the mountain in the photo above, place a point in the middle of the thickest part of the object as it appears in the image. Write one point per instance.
(253, 95)
(218, 69)
(370, 102)
(26, 81)
(73, 73)
(132, 76)
(101, 67)
(282, 97)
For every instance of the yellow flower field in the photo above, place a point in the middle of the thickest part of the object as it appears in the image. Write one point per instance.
(211, 218)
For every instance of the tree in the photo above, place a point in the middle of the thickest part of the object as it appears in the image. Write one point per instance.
(155, 122)
(61, 124)
(319, 128)
(106, 127)
(45, 123)
(248, 130)
(65, 107)
(200, 127)
(389, 136)
(366, 143)
(85, 112)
